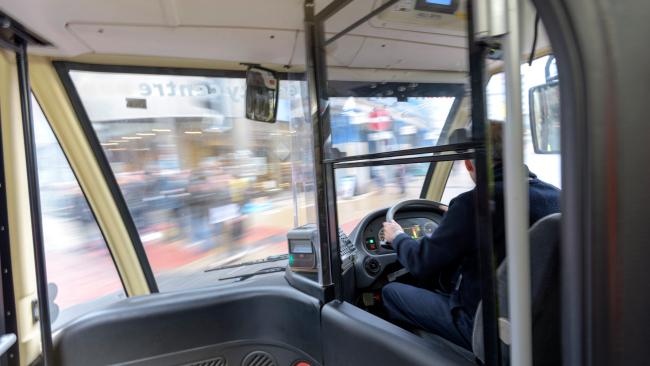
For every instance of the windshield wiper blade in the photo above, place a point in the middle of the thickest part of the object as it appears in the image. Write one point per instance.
(262, 271)
(271, 258)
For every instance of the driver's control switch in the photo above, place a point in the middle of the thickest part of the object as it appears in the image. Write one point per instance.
(371, 244)
(372, 266)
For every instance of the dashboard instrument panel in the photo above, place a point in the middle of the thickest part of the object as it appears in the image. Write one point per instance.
(415, 224)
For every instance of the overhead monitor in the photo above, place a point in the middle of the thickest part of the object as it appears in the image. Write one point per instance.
(437, 6)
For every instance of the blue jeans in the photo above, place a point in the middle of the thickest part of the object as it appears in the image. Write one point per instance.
(423, 309)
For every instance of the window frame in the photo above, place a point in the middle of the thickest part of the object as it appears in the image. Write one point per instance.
(85, 197)
(63, 69)
(316, 69)
(338, 88)
(8, 323)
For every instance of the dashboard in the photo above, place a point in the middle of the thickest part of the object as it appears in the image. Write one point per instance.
(415, 224)
(371, 258)
(365, 265)
(418, 226)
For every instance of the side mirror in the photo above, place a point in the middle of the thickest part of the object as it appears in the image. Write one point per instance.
(544, 101)
(261, 94)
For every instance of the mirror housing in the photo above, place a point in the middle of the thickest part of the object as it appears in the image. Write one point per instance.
(544, 107)
(262, 93)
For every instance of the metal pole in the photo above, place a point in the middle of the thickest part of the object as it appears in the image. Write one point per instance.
(34, 201)
(324, 171)
(485, 249)
(516, 197)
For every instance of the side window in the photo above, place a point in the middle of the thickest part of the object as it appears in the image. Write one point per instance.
(546, 166)
(365, 189)
(205, 186)
(80, 270)
(378, 124)
(459, 181)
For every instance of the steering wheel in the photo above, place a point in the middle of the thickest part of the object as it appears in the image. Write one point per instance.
(425, 204)
(390, 214)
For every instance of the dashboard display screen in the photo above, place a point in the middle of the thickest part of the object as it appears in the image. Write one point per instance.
(437, 6)
(414, 231)
(300, 246)
(415, 228)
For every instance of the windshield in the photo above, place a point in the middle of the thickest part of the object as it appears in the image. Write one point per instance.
(363, 190)
(205, 186)
(368, 125)
(370, 122)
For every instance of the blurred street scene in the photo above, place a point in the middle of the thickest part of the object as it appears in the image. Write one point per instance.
(206, 187)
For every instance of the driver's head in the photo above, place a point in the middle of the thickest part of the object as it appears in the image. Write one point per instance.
(496, 133)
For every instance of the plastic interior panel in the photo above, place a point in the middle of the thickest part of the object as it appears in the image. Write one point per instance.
(380, 53)
(355, 337)
(273, 46)
(262, 313)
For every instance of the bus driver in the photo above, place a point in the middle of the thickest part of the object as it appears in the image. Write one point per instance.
(453, 245)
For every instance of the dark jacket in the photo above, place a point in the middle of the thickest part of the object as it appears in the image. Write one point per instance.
(454, 244)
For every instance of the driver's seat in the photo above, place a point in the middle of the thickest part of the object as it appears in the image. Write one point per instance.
(545, 288)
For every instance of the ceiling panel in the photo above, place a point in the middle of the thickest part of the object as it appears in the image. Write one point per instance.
(344, 50)
(48, 18)
(348, 15)
(228, 30)
(280, 14)
(226, 44)
(450, 30)
(378, 53)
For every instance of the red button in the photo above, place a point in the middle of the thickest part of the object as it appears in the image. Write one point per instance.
(302, 363)
(372, 247)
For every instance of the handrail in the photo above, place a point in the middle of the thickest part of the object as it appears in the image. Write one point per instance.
(516, 197)
(6, 341)
(454, 148)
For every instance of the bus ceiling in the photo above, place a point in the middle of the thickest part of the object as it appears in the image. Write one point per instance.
(394, 44)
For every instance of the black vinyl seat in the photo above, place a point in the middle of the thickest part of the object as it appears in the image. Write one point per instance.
(545, 288)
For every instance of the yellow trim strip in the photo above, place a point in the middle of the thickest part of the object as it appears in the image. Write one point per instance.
(56, 106)
(20, 229)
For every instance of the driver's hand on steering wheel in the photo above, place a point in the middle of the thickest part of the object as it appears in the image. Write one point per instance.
(391, 230)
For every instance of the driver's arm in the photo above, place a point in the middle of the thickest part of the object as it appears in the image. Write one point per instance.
(448, 244)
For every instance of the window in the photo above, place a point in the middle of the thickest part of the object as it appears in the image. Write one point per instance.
(365, 189)
(385, 117)
(379, 124)
(78, 262)
(546, 166)
(459, 181)
(205, 186)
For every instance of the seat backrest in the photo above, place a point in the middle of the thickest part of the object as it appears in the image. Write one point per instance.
(545, 290)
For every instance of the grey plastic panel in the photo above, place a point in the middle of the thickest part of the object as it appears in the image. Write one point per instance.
(262, 313)
(232, 353)
(355, 337)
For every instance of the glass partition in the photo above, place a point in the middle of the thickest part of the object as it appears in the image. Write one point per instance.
(369, 118)
(363, 190)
